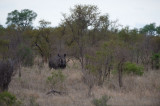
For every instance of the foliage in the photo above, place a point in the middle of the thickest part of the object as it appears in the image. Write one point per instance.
(155, 60)
(99, 64)
(97, 42)
(158, 30)
(25, 55)
(149, 29)
(133, 68)
(3, 47)
(8, 99)
(114, 72)
(78, 23)
(2, 30)
(155, 56)
(22, 19)
(41, 40)
(33, 101)
(4, 42)
(44, 24)
(55, 78)
(101, 101)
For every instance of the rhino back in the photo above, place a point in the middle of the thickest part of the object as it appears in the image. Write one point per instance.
(53, 62)
(6, 71)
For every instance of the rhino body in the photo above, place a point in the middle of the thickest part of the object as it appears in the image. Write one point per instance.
(58, 62)
(6, 71)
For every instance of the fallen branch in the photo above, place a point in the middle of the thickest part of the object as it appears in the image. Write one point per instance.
(54, 92)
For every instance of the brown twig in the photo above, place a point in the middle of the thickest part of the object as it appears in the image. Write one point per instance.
(54, 92)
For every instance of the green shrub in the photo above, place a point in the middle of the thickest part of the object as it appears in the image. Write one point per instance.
(114, 71)
(25, 55)
(133, 68)
(8, 99)
(155, 60)
(33, 101)
(102, 101)
(55, 78)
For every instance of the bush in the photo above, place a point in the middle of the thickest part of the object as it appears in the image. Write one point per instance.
(33, 101)
(155, 60)
(114, 71)
(102, 101)
(3, 48)
(55, 78)
(133, 68)
(25, 55)
(8, 99)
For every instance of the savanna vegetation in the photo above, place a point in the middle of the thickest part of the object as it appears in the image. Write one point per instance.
(107, 64)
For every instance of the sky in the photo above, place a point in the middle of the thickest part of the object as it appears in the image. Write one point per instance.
(132, 13)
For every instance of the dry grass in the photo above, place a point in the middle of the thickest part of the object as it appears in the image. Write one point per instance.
(32, 87)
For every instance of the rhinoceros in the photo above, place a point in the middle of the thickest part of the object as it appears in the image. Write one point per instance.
(6, 71)
(58, 62)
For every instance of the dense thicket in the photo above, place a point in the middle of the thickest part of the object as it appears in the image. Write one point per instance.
(100, 44)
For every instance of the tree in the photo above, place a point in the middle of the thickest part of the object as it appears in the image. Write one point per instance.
(124, 34)
(22, 19)
(149, 29)
(44, 30)
(158, 30)
(82, 17)
(19, 22)
(2, 30)
(99, 64)
(1, 27)
(100, 29)
(3, 48)
(40, 39)
(155, 60)
(44, 24)
(58, 39)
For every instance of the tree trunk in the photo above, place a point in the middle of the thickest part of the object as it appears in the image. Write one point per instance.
(120, 76)
(120, 69)
(90, 90)
(100, 82)
(152, 65)
(44, 59)
(157, 63)
(19, 69)
(109, 71)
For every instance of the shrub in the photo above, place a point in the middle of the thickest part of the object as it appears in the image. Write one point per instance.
(114, 71)
(133, 68)
(33, 101)
(155, 60)
(8, 99)
(25, 55)
(56, 77)
(3, 48)
(102, 101)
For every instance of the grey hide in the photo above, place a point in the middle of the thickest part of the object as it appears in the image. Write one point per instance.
(58, 62)
(6, 71)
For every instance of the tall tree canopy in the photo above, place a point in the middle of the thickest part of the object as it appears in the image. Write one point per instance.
(158, 30)
(22, 19)
(149, 29)
(81, 19)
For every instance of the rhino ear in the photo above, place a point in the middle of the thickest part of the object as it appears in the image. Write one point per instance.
(58, 55)
(64, 55)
